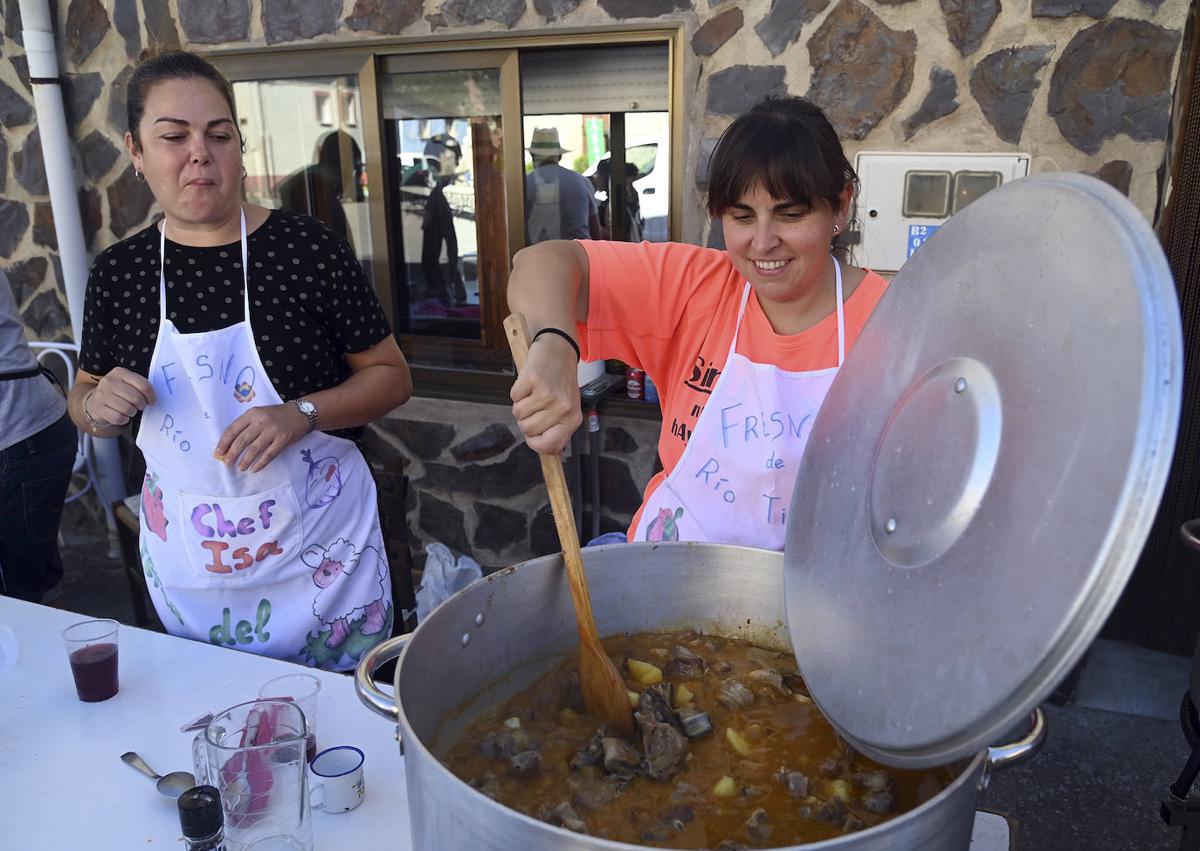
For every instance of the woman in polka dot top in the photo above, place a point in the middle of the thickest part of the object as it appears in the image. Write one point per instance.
(253, 350)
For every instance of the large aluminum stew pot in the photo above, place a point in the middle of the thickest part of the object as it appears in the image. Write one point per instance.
(497, 636)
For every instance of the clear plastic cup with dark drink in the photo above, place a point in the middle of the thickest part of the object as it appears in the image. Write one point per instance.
(92, 652)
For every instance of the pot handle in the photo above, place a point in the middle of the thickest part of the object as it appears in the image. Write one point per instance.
(1024, 749)
(370, 694)
(1190, 532)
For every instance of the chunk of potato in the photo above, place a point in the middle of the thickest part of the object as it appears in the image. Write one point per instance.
(737, 741)
(683, 695)
(635, 699)
(513, 723)
(725, 787)
(645, 673)
(840, 789)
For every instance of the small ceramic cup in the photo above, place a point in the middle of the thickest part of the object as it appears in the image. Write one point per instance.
(337, 779)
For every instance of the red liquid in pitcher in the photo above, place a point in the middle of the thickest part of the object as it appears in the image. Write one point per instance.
(95, 670)
(310, 747)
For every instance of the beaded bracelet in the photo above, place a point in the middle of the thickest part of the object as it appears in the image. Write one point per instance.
(564, 335)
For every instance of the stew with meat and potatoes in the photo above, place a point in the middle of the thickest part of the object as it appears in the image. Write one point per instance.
(730, 752)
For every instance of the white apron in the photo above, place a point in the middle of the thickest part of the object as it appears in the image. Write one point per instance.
(733, 483)
(287, 562)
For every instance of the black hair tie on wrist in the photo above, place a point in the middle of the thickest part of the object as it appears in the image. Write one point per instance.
(564, 335)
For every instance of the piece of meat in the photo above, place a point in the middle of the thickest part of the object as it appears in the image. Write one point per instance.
(487, 747)
(504, 744)
(830, 768)
(620, 757)
(656, 701)
(878, 802)
(590, 754)
(663, 748)
(684, 664)
(734, 695)
(872, 781)
(594, 793)
(794, 683)
(797, 784)
(487, 784)
(758, 826)
(658, 833)
(564, 815)
(525, 764)
(679, 816)
(832, 811)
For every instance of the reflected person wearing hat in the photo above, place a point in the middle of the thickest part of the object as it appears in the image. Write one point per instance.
(438, 225)
(559, 203)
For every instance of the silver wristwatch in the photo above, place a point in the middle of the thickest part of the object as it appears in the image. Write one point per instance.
(309, 410)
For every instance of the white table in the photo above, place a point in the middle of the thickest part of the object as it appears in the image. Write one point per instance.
(63, 785)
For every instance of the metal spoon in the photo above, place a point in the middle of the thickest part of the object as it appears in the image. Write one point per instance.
(172, 785)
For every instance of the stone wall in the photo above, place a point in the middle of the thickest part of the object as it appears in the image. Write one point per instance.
(476, 487)
(1082, 85)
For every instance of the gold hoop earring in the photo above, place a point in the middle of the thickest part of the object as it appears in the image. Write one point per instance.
(139, 176)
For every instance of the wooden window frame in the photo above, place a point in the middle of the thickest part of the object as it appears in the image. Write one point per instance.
(472, 370)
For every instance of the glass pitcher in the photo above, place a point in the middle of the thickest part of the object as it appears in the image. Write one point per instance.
(254, 753)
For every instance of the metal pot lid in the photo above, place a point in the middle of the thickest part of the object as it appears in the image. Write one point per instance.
(985, 469)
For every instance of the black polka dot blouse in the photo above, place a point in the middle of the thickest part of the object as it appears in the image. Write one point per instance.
(310, 302)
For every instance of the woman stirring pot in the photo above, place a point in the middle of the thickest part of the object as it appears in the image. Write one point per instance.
(743, 344)
(253, 348)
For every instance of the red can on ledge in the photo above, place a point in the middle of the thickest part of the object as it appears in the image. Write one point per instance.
(634, 382)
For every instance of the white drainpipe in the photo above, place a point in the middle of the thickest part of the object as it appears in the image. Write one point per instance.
(60, 177)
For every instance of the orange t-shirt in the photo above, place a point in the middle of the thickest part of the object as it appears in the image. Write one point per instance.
(671, 309)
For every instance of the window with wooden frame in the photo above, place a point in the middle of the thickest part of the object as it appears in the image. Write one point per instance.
(432, 178)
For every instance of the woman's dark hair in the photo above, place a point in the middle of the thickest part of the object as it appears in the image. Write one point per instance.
(155, 68)
(786, 144)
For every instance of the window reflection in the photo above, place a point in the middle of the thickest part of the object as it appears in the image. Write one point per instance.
(637, 211)
(301, 155)
(443, 136)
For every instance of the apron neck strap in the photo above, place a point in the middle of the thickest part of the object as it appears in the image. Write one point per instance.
(841, 315)
(162, 270)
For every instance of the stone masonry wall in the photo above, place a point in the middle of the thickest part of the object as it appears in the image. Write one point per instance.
(1081, 85)
(477, 488)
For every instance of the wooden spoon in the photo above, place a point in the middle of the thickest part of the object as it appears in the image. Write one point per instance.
(604, 692)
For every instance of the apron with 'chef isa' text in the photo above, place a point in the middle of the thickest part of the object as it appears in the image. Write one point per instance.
(287, 562)
(733, 483)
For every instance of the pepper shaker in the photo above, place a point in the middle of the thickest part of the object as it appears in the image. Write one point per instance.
(202, 820)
